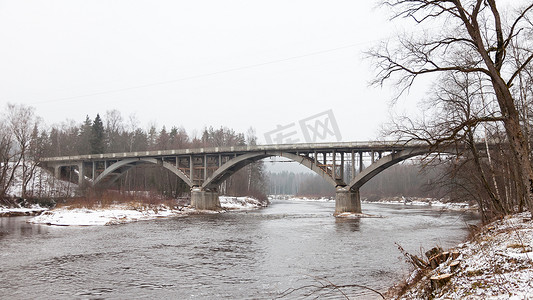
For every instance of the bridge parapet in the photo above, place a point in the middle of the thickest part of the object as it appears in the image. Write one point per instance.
(344, 146)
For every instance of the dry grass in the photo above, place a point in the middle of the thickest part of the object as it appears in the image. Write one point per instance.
(420, 269)
(399, 289)
(515, 246)
(106, 199)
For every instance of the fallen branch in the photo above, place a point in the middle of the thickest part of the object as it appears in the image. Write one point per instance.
(325, 284)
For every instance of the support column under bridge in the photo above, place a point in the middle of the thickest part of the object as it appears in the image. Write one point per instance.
(347, 200)
(204, 200)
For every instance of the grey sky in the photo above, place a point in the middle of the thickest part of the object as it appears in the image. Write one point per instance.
(195, 63)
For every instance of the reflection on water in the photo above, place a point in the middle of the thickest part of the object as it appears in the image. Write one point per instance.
(258, 254)
(17, 228)
(344, 224)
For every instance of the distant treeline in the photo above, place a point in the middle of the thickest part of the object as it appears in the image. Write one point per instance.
(299, 184)
(399, 180)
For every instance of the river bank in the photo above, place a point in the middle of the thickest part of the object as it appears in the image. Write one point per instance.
(21, 211)
(495, 263)
(399, 200)
(419, 201)
(121, 213)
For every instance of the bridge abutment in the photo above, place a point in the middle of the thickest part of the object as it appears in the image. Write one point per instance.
(347, 200)
(204, 200)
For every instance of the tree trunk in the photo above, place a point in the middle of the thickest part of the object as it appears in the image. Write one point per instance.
(496, 203)
(519, 149)
(507, 105)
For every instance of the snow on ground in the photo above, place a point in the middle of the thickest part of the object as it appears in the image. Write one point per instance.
(45, 185)
(497, 263)
(228, 202)
(414, 201)
(321, 199)
(42, 184)
(298, 198)
(125, 213)
(116, 214)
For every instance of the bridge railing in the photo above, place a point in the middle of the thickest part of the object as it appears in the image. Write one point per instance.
(342, 146)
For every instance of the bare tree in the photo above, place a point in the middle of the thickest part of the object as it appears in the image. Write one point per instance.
(179, 138)
(472, 37)
(114, 128)
(133, 122)
(455, 111)
(23, 123)
(6, 157)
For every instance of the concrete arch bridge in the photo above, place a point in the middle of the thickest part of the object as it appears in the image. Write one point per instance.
(347, 166)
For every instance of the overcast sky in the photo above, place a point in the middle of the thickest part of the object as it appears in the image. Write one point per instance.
(197, 63)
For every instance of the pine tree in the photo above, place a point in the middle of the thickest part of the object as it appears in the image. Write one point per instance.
(97, 138)
(85, 137)
(163, 139)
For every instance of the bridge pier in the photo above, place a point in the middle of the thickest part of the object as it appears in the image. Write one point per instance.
(204, 200)
(81, 174)
(347, 200)
(57, 171)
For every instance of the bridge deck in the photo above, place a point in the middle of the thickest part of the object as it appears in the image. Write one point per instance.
(309, 147)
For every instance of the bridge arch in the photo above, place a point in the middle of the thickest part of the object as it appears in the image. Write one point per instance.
(382, 164)
(239, 162)
(131, 162)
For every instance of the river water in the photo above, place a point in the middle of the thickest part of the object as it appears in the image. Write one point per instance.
(237, 255)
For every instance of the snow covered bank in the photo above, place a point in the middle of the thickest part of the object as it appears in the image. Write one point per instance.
(116, 214)
(414, 201)
(318, 199)
(297, 198)
(21, 211)
(43, 186)
(410, 201)
(497, 263)
(242, 203)
(125, 213)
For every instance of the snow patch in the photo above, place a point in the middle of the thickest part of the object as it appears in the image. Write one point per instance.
(297, 198)
(116, 214)
(125, 213)
(414, 201)
(242, 203)
(42, 185)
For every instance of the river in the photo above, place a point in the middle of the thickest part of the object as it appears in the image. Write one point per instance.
(237, 255)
